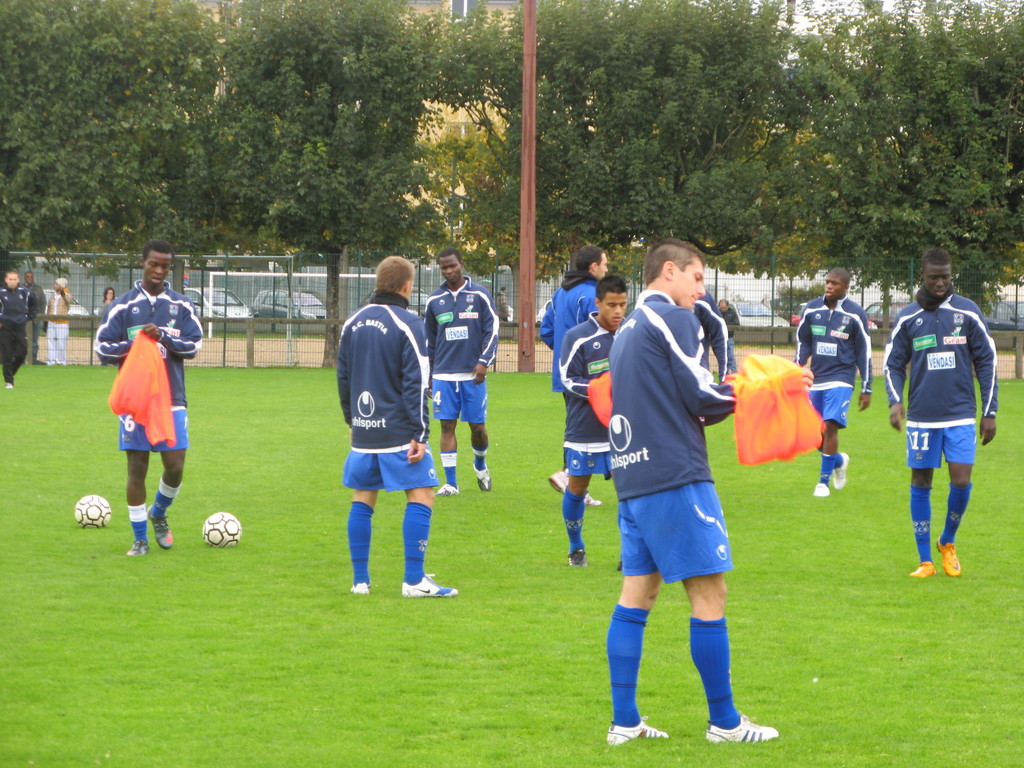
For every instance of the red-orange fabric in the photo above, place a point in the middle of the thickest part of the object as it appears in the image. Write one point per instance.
(142, 390)
(599, 394)
(774, 416)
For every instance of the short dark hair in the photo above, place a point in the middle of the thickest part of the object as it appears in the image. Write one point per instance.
(611, 284)
(450, 252)
(680, 253)
(843, 275)
(938, 256)
(160, 246)
(585, 256)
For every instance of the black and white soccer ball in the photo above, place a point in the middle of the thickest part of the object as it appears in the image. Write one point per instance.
(92, 511)
(222, 529)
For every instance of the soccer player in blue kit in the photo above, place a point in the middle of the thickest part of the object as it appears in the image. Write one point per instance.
(584, 357)
(670, 518)
(946, 342)
(384, 387)
(833, 334)
(169, 318)
(462, 340)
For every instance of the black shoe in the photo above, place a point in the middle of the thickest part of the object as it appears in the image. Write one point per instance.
(578, 558)
(140, 547)
(161, 530)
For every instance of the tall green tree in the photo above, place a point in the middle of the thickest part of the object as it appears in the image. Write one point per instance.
(325, 102)
(104, 123)
(654, 117)
(914, 138)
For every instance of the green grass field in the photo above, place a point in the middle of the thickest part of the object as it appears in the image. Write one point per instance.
(259, 656)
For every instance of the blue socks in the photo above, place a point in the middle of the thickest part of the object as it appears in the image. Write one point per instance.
(709, 649)
(415, 533)
(448, 460)
(921, 517)
(359, 530)
(165, 496)
(625, 647)
(572, 513)
(480, 458)
(139, 519)
(828, 463)
(955, 508)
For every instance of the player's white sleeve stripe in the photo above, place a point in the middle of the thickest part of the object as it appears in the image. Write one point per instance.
(703, 376)
(491, 342)
(423, 360)
(563, 368)
(890, 385)
(865, 360)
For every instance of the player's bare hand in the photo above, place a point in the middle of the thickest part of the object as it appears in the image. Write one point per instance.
(896, 416)
(808, 377)
(865, 400)
(151, 330)
(988, 429)
(479, 373)
(416, 451)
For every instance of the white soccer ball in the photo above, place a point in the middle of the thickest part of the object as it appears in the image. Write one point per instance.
(222, 529)
(92, 511)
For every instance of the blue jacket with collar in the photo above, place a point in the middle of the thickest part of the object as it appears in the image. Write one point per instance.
(571, 305)
(837, 342)
(585, 351)
(384, 378)
(946, 348)
(661, 400)
(181, 334)
(462, 328)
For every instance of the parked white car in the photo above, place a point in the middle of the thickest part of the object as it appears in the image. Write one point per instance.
(217, 302)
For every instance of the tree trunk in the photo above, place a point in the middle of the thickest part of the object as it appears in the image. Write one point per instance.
(333, 335)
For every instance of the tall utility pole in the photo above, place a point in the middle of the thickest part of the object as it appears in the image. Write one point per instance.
(528, 194)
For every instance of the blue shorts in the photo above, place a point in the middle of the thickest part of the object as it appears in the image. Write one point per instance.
(586, 463)
(452, 398)
(388, 471)
(927, 445)
(679, 533)
(132, 435)
(833, 404)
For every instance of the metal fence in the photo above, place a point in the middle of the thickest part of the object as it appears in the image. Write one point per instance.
(270, 310)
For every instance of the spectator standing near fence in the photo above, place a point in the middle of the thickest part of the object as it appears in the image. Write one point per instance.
(57, 330)
(169, 318)
(731, 319)
(17, 308)
(715, 334)
(833, 335)
(944, 339)
(37, 324)
(384, 387)
(462, 341)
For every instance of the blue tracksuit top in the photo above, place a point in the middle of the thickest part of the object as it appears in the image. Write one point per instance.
(660, 391)
(384, 378)
(946, 348)
(585, 350)
(462, 329)
(837, 342)
(716, 332)
(568, 308)
(181, 333)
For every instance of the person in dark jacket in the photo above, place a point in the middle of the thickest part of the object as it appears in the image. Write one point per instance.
(17, 307)
(384, 388)
(37, 325)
